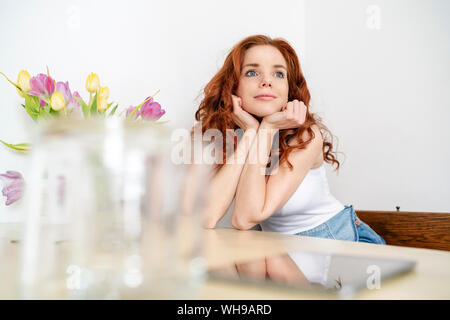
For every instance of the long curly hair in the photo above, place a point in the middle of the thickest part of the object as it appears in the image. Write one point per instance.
(216, 108)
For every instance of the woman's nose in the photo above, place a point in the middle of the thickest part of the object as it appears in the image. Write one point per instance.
(266, 83)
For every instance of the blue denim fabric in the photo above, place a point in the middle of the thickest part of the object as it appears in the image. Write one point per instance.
(344, 226)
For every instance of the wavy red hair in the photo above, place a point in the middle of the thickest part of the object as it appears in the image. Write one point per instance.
(215, 109)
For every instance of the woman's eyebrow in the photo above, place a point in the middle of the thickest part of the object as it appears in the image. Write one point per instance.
(257, 65)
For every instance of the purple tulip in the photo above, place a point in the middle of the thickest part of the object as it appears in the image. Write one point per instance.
(42, 86)
(151, 110)
(71, 103)
(14, 187)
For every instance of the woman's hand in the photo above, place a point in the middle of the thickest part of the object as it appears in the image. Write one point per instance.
(241, 117)
(291, 116)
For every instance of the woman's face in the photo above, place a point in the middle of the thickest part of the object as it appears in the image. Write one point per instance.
(263, 85)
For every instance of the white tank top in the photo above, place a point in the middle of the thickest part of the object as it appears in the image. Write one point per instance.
(311, 205)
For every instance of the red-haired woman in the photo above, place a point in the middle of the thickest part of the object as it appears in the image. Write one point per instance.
(261, 91)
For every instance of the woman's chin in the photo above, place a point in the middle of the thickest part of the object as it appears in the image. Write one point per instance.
(263, 110)
(263, 113)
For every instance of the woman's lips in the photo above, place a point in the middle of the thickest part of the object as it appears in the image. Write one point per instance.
(264, 98)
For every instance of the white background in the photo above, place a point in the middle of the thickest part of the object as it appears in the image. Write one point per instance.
(378, 72)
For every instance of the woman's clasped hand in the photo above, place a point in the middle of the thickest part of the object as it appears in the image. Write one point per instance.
(291, 115)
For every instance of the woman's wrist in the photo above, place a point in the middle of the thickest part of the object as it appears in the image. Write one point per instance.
(264, 124)
(252, 128)
(251, 132)
(267, 126)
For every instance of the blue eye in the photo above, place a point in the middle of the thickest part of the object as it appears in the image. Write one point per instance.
(252, 73)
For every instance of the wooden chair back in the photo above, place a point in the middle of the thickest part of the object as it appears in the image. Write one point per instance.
(430, 230)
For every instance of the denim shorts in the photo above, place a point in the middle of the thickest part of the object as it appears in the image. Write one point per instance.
(345, 226)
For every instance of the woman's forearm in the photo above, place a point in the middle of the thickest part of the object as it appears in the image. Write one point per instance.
(222, 187)
(251, 189)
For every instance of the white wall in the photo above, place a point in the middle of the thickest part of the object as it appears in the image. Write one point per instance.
(136, 47)
(382, 92)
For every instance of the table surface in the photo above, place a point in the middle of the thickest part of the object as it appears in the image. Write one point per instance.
(430, 279)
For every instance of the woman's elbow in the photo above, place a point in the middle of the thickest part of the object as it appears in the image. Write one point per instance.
(211, 217)
(239, 224)
(209, 224)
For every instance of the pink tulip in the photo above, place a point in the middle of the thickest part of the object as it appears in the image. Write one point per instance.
(42, 86)
(76, 95)
(136, 114)
(14, 187)
(151, 110)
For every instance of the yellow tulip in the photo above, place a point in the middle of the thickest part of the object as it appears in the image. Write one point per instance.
(102, 98)
(103, 93)
(57, 101)
(102, 105)
(92, 83)
(23, 81)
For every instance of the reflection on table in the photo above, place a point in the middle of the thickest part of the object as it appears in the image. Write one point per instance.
(336, 274)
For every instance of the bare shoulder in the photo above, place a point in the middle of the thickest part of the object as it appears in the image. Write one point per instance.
(318, 139)
(316, 145)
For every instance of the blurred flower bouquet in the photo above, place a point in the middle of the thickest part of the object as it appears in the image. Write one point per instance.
(45, 98)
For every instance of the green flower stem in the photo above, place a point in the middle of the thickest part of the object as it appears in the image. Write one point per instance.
(15, 85)
(24, 147)
(90, 104)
